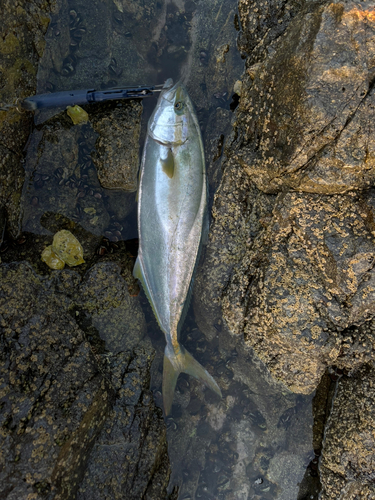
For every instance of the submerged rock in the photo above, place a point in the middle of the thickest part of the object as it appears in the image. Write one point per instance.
(117, 147)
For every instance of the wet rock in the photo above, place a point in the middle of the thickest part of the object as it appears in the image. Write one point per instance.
(313, 101)
(62, 179)
(104, 34)
(217, 130)
(295, 273)
(115, 315)
(64, 402)
(238, 213)
(347, 465)
(213, 64)
(22, 30)
(11, 177)
(306, 279)
(117, 166)
(219, 448)
(54, 400)
(135, 434)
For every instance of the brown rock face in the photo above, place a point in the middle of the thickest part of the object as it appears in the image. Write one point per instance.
(290, 259)
(347, 464)
(307, 117)
(307, 278)
(66, 406)
(294, 272)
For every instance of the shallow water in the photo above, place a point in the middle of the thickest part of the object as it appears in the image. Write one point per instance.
(255, 443)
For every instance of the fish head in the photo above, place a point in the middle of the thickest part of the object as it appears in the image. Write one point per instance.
(169, 123)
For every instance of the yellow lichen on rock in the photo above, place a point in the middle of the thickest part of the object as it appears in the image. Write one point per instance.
(77, 114)
(51, 259)
(68, 248)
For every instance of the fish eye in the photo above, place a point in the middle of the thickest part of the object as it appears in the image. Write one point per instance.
(179, 105)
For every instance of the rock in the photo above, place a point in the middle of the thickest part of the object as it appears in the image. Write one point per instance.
(117, 165)
(347, 465)
(54, 400)
(290, 294)
(58, 391)
(213, 63)
(135, 432)
(11, 178)
(313, 101)
(116, 317)
(220, 447)
(217, 130)
(293, 273)
(134, 435)
(60, 176)
(102, 34)
(19, 54)
(238, 213)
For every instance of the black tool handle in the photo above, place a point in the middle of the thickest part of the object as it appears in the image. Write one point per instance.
(72, 97)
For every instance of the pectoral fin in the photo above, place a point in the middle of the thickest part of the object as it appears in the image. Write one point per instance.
(167, 164)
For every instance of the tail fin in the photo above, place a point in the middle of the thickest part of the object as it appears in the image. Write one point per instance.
(176, 363)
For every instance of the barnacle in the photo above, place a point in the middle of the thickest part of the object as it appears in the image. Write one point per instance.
(77, 114)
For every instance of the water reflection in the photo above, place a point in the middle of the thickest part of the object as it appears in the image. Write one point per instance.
(255, 443)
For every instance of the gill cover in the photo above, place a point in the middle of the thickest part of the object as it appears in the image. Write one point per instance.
(168, 124)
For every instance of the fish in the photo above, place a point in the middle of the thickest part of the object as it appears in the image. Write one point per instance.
(172, 226)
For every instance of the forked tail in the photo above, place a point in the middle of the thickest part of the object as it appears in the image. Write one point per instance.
(176, 363)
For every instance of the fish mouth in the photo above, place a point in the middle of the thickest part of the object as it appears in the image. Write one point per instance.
(169, 90)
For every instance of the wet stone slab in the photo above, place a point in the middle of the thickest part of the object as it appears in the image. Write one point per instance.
(54, 400)
(64, 400)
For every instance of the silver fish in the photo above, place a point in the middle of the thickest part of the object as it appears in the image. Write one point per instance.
(172, 223)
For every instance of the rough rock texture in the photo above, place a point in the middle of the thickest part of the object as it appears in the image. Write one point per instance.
(23, 26)
(116, 165)
(306, 279)
(290, 257)
(348, 460)
(294, 272)
(53, 398)
(313, 101)
(63, 396)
